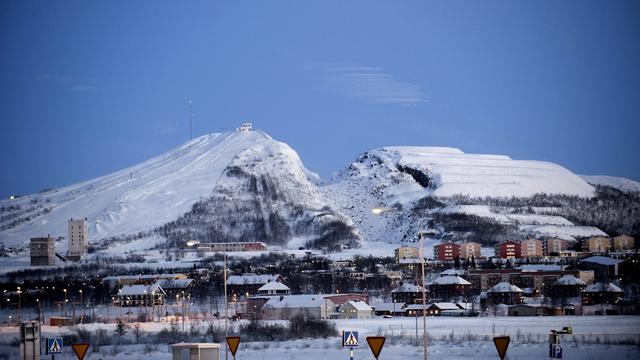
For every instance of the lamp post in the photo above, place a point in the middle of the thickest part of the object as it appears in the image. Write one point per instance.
(65, 302)
(378, 211)
(19, 291)
(82, 306)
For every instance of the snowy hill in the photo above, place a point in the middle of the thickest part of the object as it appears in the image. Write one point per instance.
(155, 192)
(619, 183)
(403, 178)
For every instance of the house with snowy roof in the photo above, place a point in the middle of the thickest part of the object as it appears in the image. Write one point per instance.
(355, 310)
(504, 293)
(248, 284)
(273, 288)
(140, 295)
(289, 306)
(389, 308)
(602, 298)
(407, 293)
(448, 287)
(568, 286)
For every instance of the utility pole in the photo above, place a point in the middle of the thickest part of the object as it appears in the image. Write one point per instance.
(190, 122)
(424, 292)
(226, 314)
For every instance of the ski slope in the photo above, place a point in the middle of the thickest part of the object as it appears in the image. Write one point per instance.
(137, 198)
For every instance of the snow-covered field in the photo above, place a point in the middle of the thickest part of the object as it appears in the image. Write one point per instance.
(450, 338)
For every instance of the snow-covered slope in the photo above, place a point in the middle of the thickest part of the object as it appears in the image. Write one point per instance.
(619, 183)
(398, 177)
(160, 190)
(265, 194)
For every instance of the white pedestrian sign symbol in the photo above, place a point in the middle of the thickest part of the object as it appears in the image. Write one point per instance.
(54, 346)
(350, 338)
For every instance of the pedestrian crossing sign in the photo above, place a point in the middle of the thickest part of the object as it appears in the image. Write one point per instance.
(349, 338)
(54, 346)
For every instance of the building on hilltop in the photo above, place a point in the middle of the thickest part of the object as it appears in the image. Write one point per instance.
(42, 251)
(78, 239)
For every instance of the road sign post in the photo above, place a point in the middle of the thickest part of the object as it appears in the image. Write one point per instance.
(233, 342)
(54, 347)
(350, 340)
(501, 343)
(375, 344)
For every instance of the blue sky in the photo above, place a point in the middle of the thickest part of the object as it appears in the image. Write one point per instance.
(87, 88)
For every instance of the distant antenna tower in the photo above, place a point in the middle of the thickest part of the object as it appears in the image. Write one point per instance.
(190, 123)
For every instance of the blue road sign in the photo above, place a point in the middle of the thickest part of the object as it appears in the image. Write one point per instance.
(556, 351)
(54, 346)
(349, 338)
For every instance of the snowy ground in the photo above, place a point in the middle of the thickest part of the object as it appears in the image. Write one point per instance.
(450, 338)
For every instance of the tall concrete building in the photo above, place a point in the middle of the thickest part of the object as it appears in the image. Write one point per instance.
(42, 251)
(555, 246)
(470, 249)
(78, 239)
(623, 242)
(597, 244)
(530, 248)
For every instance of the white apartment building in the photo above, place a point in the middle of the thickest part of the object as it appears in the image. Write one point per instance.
(78, 239)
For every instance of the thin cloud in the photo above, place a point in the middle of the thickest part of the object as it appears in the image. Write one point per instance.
(373, 85)
(65, 81)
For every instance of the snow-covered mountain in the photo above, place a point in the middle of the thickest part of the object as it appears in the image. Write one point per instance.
(163, 189)
(400, 178)
(619, 183)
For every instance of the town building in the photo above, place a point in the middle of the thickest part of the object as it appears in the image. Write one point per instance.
(604, 267)
(554, 246)
(508, 250)
(146, 279)
(173, 287)
(287, 307)
(567, 287)
(448, 287)
(140, 295)
(407, 293)
(470, 250)
(355, 310)
(407, 252)
(623, 242)
(597, 244)
(78, 240)
(530, 248)
(504, 293)
(389, 308)
(248, 284)
(447, 251)
(601, 293)
(42, 251)
(526, 310)
(273, 288)
(245, 127)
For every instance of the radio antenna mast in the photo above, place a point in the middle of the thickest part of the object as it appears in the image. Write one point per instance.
(190, 122)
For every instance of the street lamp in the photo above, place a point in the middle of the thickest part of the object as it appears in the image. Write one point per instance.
(82, 306)
(19, 304)
(378, 211)
(65, 302)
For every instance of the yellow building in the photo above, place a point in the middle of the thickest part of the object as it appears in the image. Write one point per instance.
(530, 248)
(407, 252)
(623, 242)
(598, 244)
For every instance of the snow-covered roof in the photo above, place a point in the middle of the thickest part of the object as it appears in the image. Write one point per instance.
(273, 286)
(449, 280)
(504, 287)
(359, 305)
(131, 290)
(407, 288)
(388, 306)
(602, 260)
(569, 280)
(602, 287)
(452, 272)
(445, 306)
(295, 301)
(540, 267)
(251, 279)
